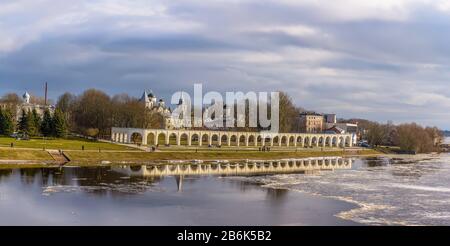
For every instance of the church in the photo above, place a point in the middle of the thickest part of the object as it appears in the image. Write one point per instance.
(159, 106)
(28, 106)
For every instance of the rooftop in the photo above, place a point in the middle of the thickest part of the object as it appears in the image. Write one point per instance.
(310, 114)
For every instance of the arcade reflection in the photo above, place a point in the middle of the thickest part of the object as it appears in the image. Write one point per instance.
(140, 178)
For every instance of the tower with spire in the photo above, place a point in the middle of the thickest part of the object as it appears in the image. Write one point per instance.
(148, 99)
(26, 97)
(157, 106)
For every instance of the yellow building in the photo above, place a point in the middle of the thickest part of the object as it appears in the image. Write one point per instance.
(311, 122)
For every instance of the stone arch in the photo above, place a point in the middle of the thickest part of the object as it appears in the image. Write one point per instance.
(259, 140)
(233, 140)
(151, 139)
(321, 142)
(195, 139)
(276, 141)
(334, 141)
(184, 139)
(284, 141)
(299, 141)
(215, 139)
(161, 138)
(267, 140)
(135, 168)
(328, 141)
(136, 138)
(251, 140)
(224, 140)
(205, 139)
(291, 141)
(314, 141)
(306, 142)
(173, 139)
(242, 140)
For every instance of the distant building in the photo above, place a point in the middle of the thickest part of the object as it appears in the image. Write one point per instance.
(343, 128)
(335, 130)
(159, 106)
(27, 106)
(151, 103)
(347, 127)
(330, 118)
(311, 122)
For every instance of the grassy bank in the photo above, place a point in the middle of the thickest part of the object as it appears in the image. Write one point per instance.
(32, 155)
(71, 143)
(78, 157)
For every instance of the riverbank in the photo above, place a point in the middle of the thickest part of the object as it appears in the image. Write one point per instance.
(23, 157)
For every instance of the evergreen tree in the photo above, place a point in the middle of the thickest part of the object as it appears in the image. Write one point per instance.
(47, 124)
(35, 122)
(25, 122)
(6, 122)
(59, 123)
(2, 122)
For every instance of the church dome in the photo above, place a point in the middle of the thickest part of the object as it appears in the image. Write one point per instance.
(26, 97)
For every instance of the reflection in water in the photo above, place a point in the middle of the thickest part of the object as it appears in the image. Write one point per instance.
(250, 167)
(137, 178)
(150, 195)
(247, 168)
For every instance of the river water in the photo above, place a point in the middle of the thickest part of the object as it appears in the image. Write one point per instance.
(320, 191)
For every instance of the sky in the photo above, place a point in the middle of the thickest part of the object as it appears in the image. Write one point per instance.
(380, 60)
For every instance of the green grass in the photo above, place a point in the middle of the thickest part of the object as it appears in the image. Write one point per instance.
(71, 143)
(34, 155)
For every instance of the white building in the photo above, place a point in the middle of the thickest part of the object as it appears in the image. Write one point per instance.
(27, 105)
(159, 106)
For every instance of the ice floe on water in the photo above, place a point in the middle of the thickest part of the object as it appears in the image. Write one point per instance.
(387, 192)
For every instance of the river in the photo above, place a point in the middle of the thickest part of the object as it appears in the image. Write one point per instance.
(359, 191)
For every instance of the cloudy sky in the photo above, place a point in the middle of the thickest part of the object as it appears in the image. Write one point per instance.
(381, 60)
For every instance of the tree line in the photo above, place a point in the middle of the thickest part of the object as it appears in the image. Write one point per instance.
(410, 137)
(31, 124)
(94, 112)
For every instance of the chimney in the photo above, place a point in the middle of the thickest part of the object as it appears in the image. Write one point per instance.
(46, 93)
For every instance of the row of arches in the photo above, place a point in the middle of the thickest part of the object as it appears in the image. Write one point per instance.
(233, 168)
(232, 139)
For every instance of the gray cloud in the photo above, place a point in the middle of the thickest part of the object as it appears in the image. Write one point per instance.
(382, 61)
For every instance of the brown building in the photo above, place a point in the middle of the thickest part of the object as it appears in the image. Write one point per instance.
(311, 122)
